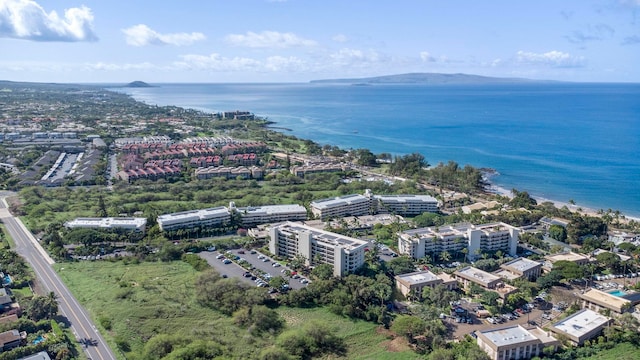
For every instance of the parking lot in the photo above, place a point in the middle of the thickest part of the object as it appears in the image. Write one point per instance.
(460, 329)
(256, 259)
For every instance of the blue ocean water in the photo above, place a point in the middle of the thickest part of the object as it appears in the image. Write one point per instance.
(560, 141)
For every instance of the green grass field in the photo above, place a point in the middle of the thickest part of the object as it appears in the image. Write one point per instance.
(622, 351)
(138, 301)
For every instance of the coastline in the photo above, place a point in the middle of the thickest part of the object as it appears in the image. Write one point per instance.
(493, 188)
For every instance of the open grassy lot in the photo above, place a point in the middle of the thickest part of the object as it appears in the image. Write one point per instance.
(364, 340)
(131, 303)
(622, 351)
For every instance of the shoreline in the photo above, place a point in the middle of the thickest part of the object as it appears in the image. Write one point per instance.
(496, 189)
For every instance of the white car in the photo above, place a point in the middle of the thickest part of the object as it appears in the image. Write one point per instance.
(275, 264)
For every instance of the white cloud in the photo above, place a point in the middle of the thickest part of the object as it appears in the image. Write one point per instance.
(552, 59)
(141, 35)
(426, 57)
(350, 57)
(268, 39)
(26, 19)
(280, 63)
(341, 38)
(216, 62)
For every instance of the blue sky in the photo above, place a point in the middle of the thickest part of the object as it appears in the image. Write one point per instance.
(301, 40)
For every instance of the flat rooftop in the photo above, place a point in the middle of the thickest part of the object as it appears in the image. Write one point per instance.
(273, 209)
(192, 215)
(340, 200)
(323, 236)
(419, 277)
(520, 265)
(107, 222)
(406, 198)
(604, 299)
(477, 275)
(570, 256)
(581, 323)
(508, 336)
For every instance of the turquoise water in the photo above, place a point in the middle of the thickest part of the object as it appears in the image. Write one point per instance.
(556, 141)
(38, 340)
(618, 293)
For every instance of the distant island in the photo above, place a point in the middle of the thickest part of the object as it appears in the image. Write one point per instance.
(138, 84)
(428, 78)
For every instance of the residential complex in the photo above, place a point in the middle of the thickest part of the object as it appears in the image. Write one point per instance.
(418, 243)
(520, 268)
(617, 301)
(581, 326)
(344, 253)
(109, 223)
(358, 205)
(348, 205)
(413, 283)
(251, 216)
(216, 216)
(515, 342)
(470, 275)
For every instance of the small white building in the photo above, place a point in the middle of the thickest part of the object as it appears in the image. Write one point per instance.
(581, 326)
(515, 342)
(413, 283)
(520, 268)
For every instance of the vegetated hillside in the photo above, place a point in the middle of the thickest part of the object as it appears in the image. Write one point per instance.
(428, 78)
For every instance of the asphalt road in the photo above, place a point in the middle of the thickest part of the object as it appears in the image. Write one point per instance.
(83, 328)
(267, 266)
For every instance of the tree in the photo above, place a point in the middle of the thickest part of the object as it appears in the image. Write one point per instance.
(408, 326)
(445, 256)
(558, 232)
(608, 260)
(522, 199)
(323, 271)
(42, 307)
(278, 282)
(569, 269)
(401, 265)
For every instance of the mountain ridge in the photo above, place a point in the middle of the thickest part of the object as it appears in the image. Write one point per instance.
(428, 78)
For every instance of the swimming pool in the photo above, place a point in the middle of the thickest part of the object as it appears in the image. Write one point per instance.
(618, 293)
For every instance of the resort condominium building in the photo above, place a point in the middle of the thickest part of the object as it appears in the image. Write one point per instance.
(515, 342)
(348, 205)
(109, 223)
(405, 205)
(418, 243)
(194, 218)
(359, 205)
(344, 253)
(251, 216)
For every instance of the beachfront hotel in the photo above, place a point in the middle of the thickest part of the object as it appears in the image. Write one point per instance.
(108, 223)
(215, 216)
(581, 326)
(418, 243)
(255, 215)
(344, 253)
(515, 342)
(359, 205)
(413, 283)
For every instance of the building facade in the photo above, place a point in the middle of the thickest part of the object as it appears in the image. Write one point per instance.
(515, 342)
(522, 268)
(341, 206)
(252, 216)
(418, 243)
(344, 253)
(414, 283)
(581, 326)
(216, 216)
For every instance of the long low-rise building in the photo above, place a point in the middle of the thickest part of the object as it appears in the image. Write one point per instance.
(341, 206)
(251, 216)
(345, 254)
(618, 302)
(359, 205)
(418, 243)
(109, 223)
(521, 268)
(194, 218)
(581, 326)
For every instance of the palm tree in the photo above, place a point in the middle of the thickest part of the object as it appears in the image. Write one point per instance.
(445, 256)
(465, 251)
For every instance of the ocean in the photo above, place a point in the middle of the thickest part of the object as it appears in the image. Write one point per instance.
(559, 141)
